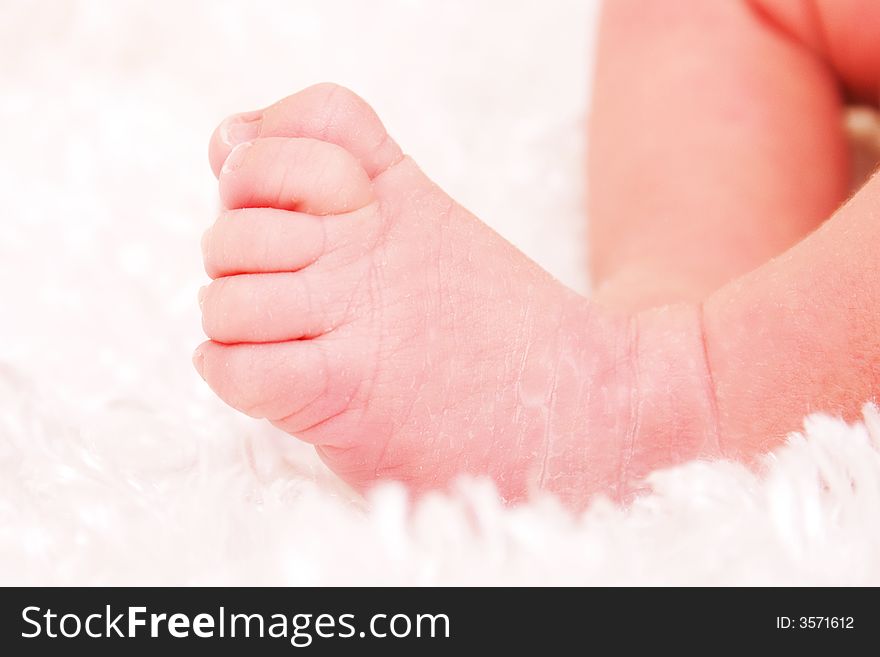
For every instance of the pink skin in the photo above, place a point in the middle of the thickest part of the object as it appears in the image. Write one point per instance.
(359, 308)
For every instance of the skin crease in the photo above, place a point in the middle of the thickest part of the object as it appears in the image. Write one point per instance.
(361, 309)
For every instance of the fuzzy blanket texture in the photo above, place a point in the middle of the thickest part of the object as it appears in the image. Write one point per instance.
(118, 466)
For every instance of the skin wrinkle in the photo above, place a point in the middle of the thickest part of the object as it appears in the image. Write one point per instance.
(400, 156)
(321, 176)
(349, 304)
(361, 383)
(382, 238)
(253, 409)
(333, 105)
(373, 274)
(324, 246)
(285, 183)
(408, 412)
(711, 389)
(635, 407)
(500, 443)
(323, 388)
(523, 330)
(445, 406)
(321, 392)
(485, 363)
(308, 301)
(551, 403)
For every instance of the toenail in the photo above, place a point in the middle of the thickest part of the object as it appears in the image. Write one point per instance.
(240, 128)
(236, 157)
(198, 359)
(202, 291)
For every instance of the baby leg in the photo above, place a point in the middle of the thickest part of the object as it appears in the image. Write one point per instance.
(717, 137)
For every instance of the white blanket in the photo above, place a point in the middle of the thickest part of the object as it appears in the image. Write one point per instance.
(117, 465)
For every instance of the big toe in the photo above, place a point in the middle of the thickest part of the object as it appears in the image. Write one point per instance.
(326, 112)
(300, 174)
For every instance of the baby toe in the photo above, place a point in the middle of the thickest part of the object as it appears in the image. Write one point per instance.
(262, 241)
(300, 174)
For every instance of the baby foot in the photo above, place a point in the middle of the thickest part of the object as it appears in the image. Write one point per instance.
(358, 307)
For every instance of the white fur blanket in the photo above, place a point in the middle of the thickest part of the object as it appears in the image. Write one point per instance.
(118, 466)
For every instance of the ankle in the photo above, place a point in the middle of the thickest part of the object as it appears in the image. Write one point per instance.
(675, 417)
